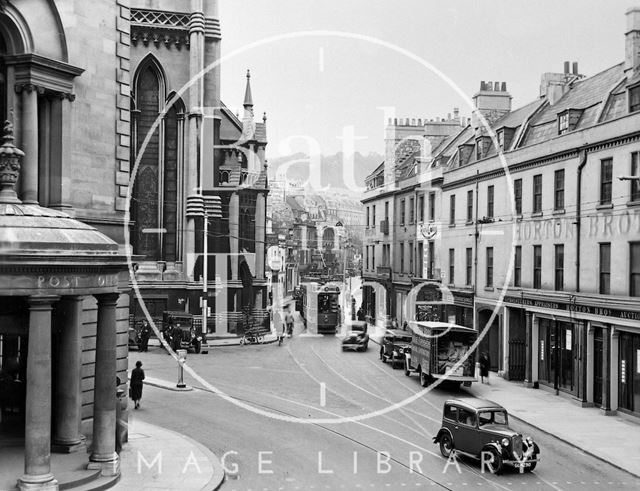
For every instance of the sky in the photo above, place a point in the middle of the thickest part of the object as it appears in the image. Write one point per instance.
(324, 71)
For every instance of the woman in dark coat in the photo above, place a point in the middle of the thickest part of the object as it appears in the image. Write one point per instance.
(485, 363)
(137, 376)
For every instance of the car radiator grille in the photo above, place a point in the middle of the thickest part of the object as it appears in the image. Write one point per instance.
(517, 446)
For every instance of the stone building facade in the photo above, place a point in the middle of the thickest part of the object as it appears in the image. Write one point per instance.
(64, 288)
(539, 230)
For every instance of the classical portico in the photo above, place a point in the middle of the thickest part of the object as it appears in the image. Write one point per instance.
(53, 268)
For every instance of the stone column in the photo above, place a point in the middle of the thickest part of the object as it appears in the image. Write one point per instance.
(104, 454)
(606, 369)
(37, 434)
(69, 381)
(260, 234)
(614, 352)
(234, 233)
(29, 175)
(528, 380)
(589, 364)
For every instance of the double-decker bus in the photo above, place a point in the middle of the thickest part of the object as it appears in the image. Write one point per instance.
(321, 307)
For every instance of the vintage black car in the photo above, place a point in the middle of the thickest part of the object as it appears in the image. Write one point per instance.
(180, 332)
(394, 345)
(479, 429)
(357, 338)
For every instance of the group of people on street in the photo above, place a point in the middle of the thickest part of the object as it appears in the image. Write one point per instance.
(283, 324)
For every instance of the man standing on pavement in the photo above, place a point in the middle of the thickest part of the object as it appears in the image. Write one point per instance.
(145, 334)
(278, 326)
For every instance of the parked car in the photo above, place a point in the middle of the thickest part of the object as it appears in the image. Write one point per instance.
(480, 429)
(184, 322)
(357, 338)
(394, 345)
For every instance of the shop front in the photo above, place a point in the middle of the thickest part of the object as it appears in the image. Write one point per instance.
(629, 372)
(558, 349)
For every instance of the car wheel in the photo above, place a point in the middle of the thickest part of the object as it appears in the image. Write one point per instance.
(424, 379)
(382, 356)
(494, 461)
(197, 347)
(446, 445)
(533, 465)
(407, 370)
(366, 347)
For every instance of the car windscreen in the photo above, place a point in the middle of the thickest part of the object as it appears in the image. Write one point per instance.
(404, 339)
(492, 418)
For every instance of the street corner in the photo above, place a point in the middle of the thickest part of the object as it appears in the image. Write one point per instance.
(157, 457)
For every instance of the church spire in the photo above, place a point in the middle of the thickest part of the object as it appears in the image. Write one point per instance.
(248, 99)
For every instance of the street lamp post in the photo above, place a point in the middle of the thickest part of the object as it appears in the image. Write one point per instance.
(211, 208)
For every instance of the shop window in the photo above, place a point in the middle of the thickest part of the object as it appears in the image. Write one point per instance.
(606, 180)
(605, 269)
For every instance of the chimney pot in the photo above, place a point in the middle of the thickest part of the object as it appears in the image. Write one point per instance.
(482, 85)
(504, 86)
(575, 68)
(456, 112)
(419, 121)
(496, 86)
(566, 67)
(395, 121)
(632, 42)
(448, 116)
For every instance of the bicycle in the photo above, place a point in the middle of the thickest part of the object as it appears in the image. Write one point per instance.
(251, 338)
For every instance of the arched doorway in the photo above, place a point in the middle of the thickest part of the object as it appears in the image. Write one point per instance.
(491, 341)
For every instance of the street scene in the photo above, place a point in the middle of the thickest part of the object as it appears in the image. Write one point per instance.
(340, 245)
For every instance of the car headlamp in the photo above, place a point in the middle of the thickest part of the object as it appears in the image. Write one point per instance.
(505, 442)
(529, 441)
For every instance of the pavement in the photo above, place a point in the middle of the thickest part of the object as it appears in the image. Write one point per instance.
(156, 458)
(612, 439)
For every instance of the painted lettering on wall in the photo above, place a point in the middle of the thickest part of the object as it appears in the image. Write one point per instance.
(601, 225)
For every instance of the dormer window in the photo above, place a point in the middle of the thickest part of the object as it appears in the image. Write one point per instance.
(568, 120)
(563, 123)
(634, 99)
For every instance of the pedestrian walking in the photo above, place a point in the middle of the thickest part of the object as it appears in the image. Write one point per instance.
(278, 326)
(135, 388)
(176, 337)
(360, 314)
(288, 318)
(145, 334)
(485, 363)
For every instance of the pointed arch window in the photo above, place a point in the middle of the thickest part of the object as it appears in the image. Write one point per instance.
(156, 210)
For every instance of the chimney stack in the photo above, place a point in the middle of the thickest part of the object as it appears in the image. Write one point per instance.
(632, 43)
(566, 67)
(575, 68)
